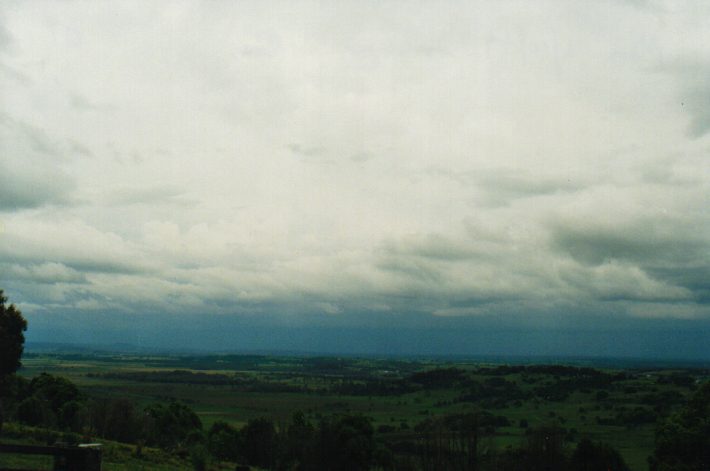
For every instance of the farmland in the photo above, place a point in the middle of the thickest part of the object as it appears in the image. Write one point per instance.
(613, 403)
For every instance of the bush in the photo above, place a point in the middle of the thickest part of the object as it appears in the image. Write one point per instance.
(683, 441)
(590, 456)
(198, 457)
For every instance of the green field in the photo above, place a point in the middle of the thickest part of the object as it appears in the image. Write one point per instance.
(613, 405)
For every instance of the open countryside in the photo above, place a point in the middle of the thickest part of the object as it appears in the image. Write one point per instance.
(355, 235)
(405, 405)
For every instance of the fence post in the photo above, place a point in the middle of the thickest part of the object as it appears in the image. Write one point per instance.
(86, 457)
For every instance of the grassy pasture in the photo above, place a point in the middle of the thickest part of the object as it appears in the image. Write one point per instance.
(237, 388)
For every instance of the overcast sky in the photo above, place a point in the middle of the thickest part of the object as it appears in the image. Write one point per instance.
(358, 161)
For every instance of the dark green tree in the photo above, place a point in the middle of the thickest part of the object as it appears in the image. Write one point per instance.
(12, 338)
(169, 426)
(299, 443)
(260, 443)
(56, 390)
(12, 341)
(590, 456)
(70, 415)
(224, 441)
(50, 401)
(35, 411)
(345, 443)
(683, 441)
(122, 421)
(545, 449)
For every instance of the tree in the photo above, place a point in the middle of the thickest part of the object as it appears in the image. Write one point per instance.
(590, 456)
(683, 441)
(121, 421)
(345, 443)
(12, 338)
(169, 426)
(260, 442)
(224, 441)
(35, 411)
(56, 390)
(452, 441)
(299, 443)
(545, 449)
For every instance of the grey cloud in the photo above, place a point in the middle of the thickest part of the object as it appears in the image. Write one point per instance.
(671, 254)
(697, 101)
(501, 186)
(12, 73)
(488, 272)
(170, 195)
(433, 247)
(641, 242)
(6, 70)
(472, 302)
(322, 154)
(414, 270)
(361, 157)
(5, 37)
(422, 264)
(64, 266)
(81, 103)
(110, 267)
(644, 4)
(130, 158)
(47, 272)
(598, 245)
(23, 188)
(56, 247)
(622, 282)
(460, 275)
(696, 279)
(307, 151)
(694, 95)
(514, 128)
(32, 137)
(80, 149)
(29, 174)
(22, 191)
(93, 252)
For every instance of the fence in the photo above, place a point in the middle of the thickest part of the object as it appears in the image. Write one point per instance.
(66, 458)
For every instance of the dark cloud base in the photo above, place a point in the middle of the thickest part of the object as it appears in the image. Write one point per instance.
(600, 337)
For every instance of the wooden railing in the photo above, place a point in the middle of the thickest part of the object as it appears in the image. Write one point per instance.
(66, 458)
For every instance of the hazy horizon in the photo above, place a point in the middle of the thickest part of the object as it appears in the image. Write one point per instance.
(433, 177)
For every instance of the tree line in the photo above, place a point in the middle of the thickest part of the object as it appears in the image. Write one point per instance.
(343, 442)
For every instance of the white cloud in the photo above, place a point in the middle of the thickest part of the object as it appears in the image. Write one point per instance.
(457, 159)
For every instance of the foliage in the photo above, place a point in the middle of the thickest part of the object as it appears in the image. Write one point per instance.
(55, 390)
(122, 423)
(438, 378)
(683, 441)
(12, 338)
(198, 457)
(299, 447)
(34, 411)
(260, 442)
(224, 441)
(47, 400)
(420, 414)
(345, 443)
(168, 426)
(590, 456)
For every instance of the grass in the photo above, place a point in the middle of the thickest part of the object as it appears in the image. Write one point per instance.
(578, 412)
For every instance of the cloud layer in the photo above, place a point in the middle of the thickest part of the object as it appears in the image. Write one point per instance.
(356, 159)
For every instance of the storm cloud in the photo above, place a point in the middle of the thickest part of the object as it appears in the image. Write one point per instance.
(356, 162)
